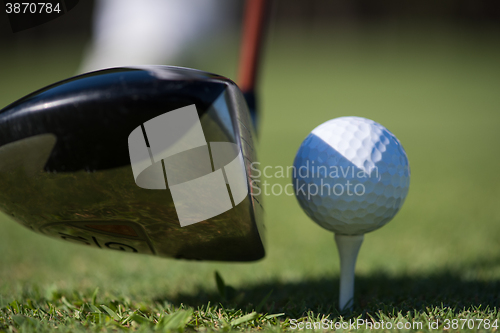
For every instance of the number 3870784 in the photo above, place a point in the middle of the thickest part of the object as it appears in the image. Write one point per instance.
(471, 323)
(32, 8)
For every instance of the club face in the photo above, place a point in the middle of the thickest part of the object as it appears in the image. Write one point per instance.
(66, 170)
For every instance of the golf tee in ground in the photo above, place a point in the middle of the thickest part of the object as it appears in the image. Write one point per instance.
(348, 247)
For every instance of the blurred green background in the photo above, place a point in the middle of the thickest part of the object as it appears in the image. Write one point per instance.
(431, 76)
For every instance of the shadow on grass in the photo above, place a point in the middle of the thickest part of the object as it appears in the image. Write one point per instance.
(375, 293)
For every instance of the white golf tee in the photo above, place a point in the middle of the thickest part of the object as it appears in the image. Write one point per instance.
(348, 247)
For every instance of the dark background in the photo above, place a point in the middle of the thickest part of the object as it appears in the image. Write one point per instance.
(302, 13)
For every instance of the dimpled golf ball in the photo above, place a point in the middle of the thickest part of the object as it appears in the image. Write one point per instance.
(351, 175)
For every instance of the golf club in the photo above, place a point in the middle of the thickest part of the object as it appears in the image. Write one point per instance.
(144, 159)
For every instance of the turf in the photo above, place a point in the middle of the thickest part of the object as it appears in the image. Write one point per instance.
(437, 90)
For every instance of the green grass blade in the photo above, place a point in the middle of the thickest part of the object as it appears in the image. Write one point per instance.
(68, 304)
(274, 315)
(263, 302)
(139, 319)
(113, 314)
(94, 308)
(176, 321)
(94, 296)
(245, 319)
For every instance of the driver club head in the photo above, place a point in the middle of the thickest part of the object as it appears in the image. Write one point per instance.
(150, 159)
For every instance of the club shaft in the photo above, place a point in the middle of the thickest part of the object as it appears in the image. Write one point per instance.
(253, 30)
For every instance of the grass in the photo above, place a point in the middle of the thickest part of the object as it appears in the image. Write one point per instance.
(436, 89)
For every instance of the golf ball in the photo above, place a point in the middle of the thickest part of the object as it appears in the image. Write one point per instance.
(351, 175)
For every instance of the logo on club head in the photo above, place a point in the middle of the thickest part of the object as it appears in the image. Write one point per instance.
(170, 151)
